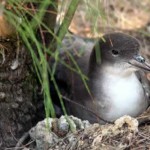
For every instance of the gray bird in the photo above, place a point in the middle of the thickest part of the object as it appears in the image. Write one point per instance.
(115, 84)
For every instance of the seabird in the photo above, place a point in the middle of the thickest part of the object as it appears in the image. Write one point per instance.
(114, 69)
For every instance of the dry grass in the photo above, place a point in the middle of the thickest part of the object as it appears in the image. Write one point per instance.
(125, 15)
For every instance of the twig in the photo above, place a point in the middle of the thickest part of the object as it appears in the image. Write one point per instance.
(87, 109)
(21, 140)
(143, 119)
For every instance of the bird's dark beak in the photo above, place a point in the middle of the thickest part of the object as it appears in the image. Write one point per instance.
(139, 62)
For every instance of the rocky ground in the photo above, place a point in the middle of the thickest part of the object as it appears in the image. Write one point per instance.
(72, 133)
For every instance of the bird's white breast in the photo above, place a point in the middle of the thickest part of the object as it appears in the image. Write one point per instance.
(124, 95)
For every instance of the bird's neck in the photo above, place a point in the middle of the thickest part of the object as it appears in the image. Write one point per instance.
(121, 70)
(109, 74)
(117, 70)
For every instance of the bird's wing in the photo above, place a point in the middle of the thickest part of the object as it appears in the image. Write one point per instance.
(145, 83)
(71, 50)
(75, 47)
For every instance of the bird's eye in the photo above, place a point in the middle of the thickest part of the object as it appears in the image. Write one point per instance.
(115, 52)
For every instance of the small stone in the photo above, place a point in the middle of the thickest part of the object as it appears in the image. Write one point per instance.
(2, 95)
(15, 105)
(15, 64)
(63, 125)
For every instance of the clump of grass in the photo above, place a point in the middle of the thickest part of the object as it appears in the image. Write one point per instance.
(27, 17)
(32, 16)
